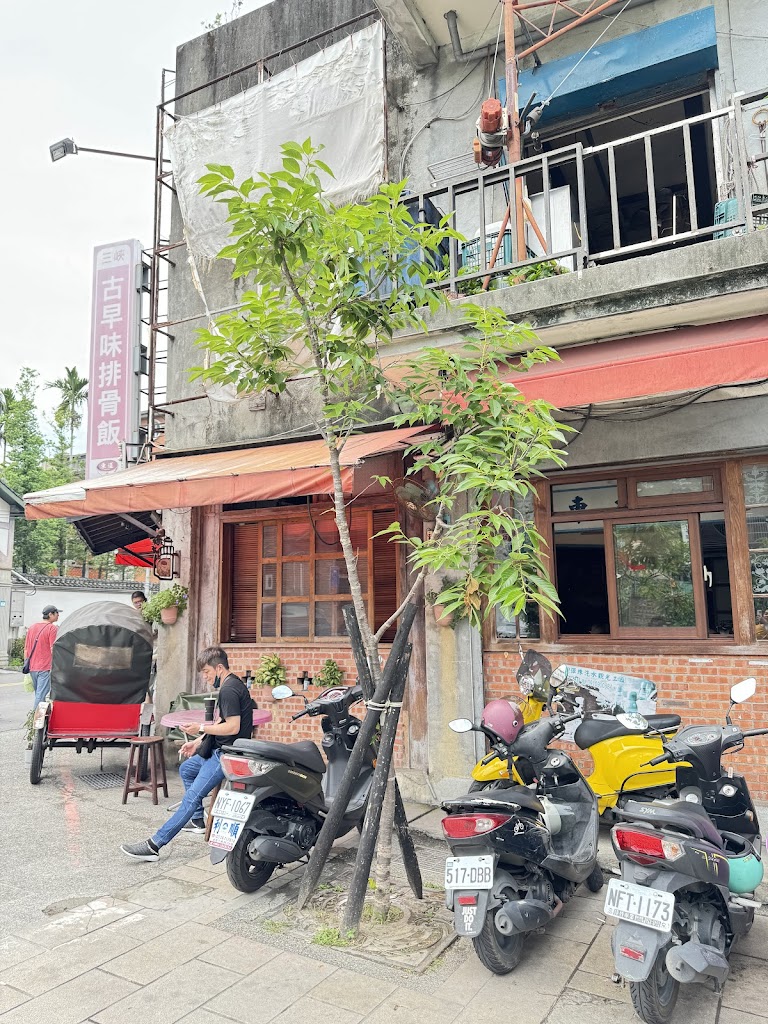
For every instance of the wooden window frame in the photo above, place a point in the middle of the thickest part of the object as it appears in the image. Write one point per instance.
(729, 488)
(280, 517)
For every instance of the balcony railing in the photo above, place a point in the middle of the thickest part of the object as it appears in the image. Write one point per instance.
(669, 186)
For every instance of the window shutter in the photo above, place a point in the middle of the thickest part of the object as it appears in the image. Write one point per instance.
(384, 572)
(244, 583)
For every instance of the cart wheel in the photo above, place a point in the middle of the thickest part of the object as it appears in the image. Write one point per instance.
(143, 768)
(38, 751)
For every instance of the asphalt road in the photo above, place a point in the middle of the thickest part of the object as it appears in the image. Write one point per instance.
(15, 702)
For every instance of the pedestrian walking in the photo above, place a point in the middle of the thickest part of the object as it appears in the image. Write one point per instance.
(202, 772)
(38, 651)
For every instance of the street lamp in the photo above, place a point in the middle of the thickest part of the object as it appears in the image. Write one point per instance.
(67, 147)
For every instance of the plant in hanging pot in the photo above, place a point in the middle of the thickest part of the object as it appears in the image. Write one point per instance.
(271, 672)
(453, 600)
(167, 605)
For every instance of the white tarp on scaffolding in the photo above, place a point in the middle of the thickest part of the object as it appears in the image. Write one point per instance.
(335, 97)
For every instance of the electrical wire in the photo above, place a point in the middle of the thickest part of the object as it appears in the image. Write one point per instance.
(491, 83)
(586, 53)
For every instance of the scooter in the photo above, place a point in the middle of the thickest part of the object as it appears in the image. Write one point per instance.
(276, 795)
(619, 751)
(519, 852)
(689, 869)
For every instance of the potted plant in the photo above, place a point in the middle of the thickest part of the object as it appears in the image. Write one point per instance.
(166, 605)
(453, 600)
(271, 672)
(331, 674)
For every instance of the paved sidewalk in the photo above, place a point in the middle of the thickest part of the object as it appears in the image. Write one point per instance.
(173, 941)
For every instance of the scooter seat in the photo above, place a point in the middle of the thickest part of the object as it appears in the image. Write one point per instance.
(675, 814)
(499, 795)
(595, 730)
(304, 753)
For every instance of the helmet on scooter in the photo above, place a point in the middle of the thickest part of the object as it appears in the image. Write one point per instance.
(504, 718)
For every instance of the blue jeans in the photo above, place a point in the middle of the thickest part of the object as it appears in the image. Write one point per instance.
(199, 776)
(42, 681)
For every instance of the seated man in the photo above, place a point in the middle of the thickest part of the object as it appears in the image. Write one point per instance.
(201, 772)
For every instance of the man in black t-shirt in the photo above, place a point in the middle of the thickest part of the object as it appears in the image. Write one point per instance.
(201, 772)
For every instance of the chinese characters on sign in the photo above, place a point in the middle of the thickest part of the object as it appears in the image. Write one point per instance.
(113, 393)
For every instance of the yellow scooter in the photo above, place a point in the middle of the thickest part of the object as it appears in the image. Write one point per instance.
(620, 754)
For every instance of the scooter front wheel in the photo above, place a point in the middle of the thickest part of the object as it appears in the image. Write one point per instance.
(499, 953)
(654, 999)
(246, 874)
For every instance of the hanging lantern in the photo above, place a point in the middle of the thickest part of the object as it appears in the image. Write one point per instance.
(167, 559)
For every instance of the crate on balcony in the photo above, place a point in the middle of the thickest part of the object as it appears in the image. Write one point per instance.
(470, 251)
(727, 211)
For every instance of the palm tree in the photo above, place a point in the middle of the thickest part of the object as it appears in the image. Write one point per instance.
(74, 393)
(7, 398)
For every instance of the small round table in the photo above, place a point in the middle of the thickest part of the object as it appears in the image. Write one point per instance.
(175, 719)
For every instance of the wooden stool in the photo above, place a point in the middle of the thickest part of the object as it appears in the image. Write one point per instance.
(209, 823)
(157, 776)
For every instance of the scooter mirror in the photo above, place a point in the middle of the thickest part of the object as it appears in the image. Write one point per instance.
(559, 676)
(633, 721)
(744, 690)
(461, 725)
(282, 692)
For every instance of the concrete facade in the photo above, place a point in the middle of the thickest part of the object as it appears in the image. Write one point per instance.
(432, 104)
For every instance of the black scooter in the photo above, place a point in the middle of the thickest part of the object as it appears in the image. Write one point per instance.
(276, 795)
(689, 868)
(519, 852)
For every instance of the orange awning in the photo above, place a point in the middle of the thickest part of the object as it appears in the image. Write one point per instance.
(670, 362)
(253, 474)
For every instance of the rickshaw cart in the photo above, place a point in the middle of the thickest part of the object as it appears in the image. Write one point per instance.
(102, 659)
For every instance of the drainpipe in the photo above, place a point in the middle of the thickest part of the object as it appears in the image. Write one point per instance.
(453, 31)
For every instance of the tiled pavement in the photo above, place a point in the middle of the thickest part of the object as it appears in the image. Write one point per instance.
(174, 942)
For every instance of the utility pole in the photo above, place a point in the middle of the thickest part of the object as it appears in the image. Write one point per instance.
(514, 137)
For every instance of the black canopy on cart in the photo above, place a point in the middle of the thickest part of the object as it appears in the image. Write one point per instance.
(102, 655)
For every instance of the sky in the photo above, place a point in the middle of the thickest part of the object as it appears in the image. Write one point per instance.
(88, 70)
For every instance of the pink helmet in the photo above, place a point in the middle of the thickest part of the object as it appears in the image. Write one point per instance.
(504, 718)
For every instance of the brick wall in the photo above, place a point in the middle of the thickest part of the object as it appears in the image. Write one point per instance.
(695, 688)
(296, 659)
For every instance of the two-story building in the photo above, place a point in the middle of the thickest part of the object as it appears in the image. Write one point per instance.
(629, 234)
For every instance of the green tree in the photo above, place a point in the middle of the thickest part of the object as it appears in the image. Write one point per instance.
(25, 470)
(329, 288)
(6, 402)
(73, 391)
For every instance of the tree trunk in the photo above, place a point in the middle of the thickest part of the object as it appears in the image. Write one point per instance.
(329, 831)
(383, 869)
(376, 798)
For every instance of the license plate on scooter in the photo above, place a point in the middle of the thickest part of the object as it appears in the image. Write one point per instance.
(230, 813)
(651, 908)
(469, 872)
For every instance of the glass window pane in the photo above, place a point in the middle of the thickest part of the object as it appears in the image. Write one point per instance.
(295, 579)
(526, 625)
(761, 618)
(757, 529)
(294, 619)
(296, 539)
(326, 535)
(654, 575)
(269, 541)
(329, 618)
(331, 576)
(585, 496)
(269, 580)
(581, 577)
(717, 578)
(678, 485)
(756, 485)
(268, 619)
(759, 563)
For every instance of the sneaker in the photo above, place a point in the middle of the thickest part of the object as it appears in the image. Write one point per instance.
(141, 851)
(196, 825)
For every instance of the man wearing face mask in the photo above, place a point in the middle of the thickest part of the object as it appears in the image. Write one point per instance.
(201, 772)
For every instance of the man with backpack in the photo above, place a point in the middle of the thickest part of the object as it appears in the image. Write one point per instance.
(38, 651)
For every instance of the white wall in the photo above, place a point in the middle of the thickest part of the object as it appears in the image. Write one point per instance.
(67, 600)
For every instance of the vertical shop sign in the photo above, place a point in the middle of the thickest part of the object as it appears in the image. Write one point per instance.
(113, 389)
